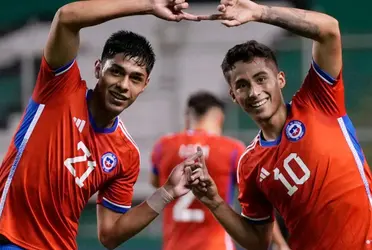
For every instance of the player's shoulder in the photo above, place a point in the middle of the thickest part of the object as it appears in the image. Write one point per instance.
(129, 143)
(247, 163)
(250, 150)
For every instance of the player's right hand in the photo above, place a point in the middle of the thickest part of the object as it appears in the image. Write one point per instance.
(235, 12)
(204, 188)
(172, 10)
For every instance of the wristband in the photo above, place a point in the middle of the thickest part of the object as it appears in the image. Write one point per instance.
(159, 199)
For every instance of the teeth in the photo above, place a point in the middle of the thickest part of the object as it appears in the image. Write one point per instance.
(258, 104)
(117, 96)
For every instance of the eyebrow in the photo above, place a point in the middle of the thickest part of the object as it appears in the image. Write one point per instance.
(136, 73)
(260, 73)
(115, 65)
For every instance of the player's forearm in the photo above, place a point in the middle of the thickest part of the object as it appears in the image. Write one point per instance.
(82, 14)
(128, 225)
(239, 228)
(310, 24)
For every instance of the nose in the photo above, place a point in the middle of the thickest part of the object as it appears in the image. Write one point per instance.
(123, 85)
(255, 90)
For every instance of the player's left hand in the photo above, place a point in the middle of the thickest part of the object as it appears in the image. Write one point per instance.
(235, 12)
(172, 10)
(178, 181)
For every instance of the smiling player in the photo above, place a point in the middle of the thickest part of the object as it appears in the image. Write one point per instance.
(306, 160)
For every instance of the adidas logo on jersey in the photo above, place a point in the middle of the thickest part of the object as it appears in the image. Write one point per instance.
(79, 124)
(264, 174)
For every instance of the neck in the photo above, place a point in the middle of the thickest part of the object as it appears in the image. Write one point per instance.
(272, 128)
(102, 118)
(208, 126)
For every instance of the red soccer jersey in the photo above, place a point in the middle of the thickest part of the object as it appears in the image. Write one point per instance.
(187, 224)
(315, 174)
(57, 160)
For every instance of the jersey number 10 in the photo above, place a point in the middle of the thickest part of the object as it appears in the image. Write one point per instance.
(294, 177)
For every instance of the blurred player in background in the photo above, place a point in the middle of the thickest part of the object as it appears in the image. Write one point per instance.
(306, 160)
(187, 224)
(71, 143)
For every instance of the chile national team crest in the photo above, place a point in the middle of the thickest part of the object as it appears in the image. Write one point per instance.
(295, 130)
(108, 162)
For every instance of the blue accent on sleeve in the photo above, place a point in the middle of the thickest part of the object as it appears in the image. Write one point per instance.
(352, 133)
(10, 247)
(63, 68)
(155, 170)
(29, 115)
(324, 74)
(114, 208)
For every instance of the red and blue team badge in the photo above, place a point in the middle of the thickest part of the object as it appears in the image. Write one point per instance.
(295, 130)
(108, 162)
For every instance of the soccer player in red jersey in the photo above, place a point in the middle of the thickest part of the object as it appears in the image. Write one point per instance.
(70, 142)
(186, 220)
(306, 160)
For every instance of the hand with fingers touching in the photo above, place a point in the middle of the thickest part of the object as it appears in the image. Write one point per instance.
(178, 181)
(203, 186)
(172, 10)
(235, 12)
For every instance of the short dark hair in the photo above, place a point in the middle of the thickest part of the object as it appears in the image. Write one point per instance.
(201, 102)
(246, 52)
(132, 45)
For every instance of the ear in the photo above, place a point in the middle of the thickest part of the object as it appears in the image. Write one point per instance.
(97, 68)
(146, 83)
(281, 79)
(232, 95)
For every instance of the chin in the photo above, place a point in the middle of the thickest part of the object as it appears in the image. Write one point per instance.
(261, 116)
(115, 109)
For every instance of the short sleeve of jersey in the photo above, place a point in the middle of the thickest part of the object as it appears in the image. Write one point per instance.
(56, 83)
(321, 92)
(117, 195)
(255, 207)
(155, 157)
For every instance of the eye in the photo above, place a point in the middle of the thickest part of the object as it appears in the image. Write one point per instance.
(261, 79)
(115, 72)
(240, 84)
(137, 78)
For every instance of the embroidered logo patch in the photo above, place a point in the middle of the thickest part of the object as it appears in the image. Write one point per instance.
(295, 130)
(109, 162)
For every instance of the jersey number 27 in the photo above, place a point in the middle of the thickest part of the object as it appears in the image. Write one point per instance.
(83, 158)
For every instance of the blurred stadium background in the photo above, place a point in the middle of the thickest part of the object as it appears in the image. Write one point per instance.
(188, 59)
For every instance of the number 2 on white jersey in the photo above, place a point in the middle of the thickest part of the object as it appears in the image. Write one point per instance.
(181, 212)
(83, 158)
(294, 177)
